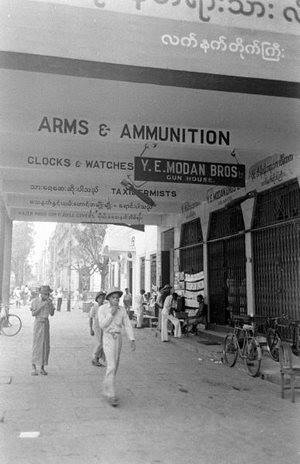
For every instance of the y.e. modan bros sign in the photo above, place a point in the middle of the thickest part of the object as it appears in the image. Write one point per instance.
(188, 172)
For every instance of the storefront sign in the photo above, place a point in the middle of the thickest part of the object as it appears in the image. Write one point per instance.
(273, 170)
(106, 204)
(279, 16)
(227, 37)
(188, 172)
(94, 216)
(134, 131)
(221, 195)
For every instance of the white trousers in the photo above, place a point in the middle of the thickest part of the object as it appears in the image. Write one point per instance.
(112, 349)
(164, 326)
(177, 326)
(98, 352)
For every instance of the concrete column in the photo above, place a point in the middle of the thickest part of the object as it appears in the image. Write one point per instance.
(2, 237)
(158, 256)
(6, 259)
(248, 211)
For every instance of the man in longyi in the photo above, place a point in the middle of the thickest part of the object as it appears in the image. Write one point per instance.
(112, 318)
(41, 307)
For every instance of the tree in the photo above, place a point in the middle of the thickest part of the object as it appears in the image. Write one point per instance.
(22, 245)
(86, 254)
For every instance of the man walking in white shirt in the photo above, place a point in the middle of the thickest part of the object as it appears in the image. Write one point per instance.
(112, 318)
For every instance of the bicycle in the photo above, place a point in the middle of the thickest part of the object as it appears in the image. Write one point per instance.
(278, 330)
(10, 324)
(242, 342)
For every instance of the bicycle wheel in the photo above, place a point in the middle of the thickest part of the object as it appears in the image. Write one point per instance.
(273, 340)
(253, 357)
(230, 350)
(11, 326)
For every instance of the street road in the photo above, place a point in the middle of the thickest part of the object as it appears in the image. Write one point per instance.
(178, 405)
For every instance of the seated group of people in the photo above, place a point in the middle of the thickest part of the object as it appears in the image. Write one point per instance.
(165, 306)
(181, 321)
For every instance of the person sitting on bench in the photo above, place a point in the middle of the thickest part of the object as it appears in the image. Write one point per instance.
(201, 315)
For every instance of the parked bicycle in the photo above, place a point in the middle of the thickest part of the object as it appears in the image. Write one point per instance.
(281, 328)
(242, 342)
(10, 324)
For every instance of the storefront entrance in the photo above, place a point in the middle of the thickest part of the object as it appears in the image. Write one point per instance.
(276, 250)
(227, 265)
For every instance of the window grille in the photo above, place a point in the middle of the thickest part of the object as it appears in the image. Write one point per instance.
(277, 204)
(227, 265)
(191, 233)
(226, 222)
(276, 251)
(191, 247)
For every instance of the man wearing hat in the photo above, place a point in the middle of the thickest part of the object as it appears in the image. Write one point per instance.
(98, 353)
(112, 318)
(41, 307)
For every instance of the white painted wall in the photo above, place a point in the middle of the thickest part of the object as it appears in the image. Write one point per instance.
(145, 245)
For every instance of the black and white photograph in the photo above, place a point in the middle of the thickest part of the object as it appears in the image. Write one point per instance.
(149, 231)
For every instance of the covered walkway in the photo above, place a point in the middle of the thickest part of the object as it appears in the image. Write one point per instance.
(177, 405)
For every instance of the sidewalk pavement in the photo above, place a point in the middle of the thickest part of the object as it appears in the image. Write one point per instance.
(269, 368)
(179, 405)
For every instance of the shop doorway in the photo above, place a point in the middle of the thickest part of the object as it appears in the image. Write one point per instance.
(276, 251)
(227, 265)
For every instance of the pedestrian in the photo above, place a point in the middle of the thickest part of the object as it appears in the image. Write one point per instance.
(95, 330)
(127, 301)
(140, 302)
(159, 306)
(17, 295)
(41, 307)
(112, 318)
(59, 295)
(166, 316)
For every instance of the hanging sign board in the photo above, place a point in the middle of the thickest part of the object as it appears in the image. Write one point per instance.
(188, 172)
(273, 170)
(229, 37)
(87, 215)
(280, 16)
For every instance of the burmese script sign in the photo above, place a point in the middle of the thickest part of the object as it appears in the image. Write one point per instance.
(273, 15)
(227, 37)
(188, 172)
